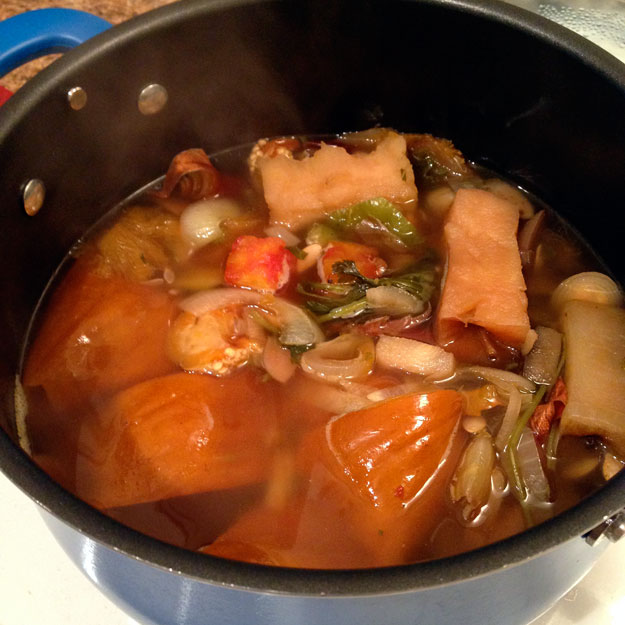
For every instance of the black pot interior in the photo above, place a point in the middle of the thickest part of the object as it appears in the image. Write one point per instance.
(512, 91)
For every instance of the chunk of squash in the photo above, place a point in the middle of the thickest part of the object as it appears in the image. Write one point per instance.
(177, 435)
(385, 469)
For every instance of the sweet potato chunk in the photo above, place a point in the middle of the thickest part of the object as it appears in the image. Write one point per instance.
(385, 469)
(177, 435)
(484, 285)
(299, 192)
(92, 326)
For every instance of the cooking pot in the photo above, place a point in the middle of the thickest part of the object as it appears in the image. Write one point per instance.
(515, 92)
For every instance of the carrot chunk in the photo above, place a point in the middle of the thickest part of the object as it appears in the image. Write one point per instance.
(263, 264)
(366, 259)
(177, 435)
(484, 285)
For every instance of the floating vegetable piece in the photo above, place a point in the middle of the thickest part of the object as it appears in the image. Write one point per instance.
(393, 300)
(511, 194)
(589, 286)
(191, 176)
(381, 212)
(595, 341)
(414, 357)
(211, 343)
(200, 222)
(541, 364)
(176, 435)
(321, 234)
(366, 259)
(393, 458)
(347, 357)
(277, 361)
(299, 192)
(92, 324)
(435, 160)
(528, 238)
(484, 285)
(142, 243)
(471, 484)
(262, 264)
(546, 414)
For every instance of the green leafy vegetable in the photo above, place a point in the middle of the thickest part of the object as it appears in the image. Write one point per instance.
(297, 252)
(297, 351)
(321, 234)
(349, 300)
(380, 211)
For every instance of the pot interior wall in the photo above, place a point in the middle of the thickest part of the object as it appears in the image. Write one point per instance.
(507, 97)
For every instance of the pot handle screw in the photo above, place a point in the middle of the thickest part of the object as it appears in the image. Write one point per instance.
(152, 99)
(77, 98)
(33, 196)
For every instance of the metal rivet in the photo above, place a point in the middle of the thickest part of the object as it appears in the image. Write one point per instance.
(33, 195)
(77, 98)
(152, 99)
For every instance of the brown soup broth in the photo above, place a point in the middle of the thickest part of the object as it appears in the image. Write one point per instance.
(99, 359)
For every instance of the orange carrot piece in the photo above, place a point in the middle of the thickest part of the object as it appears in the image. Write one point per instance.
(366, 259)
(484, 285)
(177, 435)
(263, 264)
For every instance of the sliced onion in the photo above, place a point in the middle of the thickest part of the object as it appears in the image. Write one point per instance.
(296, 326)
(399, 389)
(502, 379)
(511, 194)
(191, 175)
(531, 469)
(277, 361)
(313, 253)
(589, 286)
(391, 300)
(471, 484)
(200, 222)
(528, 237)
(414, 356)
(202, 302)
(284, 234)
(513, 410)
(327, 397)
(541, 364)
(347, 357)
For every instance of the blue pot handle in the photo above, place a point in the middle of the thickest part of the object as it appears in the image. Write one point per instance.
(36, 33)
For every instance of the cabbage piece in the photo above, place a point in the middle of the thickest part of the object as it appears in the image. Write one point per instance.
(594, 372)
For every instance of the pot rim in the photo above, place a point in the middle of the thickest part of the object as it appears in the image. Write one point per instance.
(94, 525)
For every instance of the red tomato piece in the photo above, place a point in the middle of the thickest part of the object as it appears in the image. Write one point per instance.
(262, 264)
(366, 259)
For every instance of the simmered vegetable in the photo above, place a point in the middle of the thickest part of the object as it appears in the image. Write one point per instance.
(290, 360)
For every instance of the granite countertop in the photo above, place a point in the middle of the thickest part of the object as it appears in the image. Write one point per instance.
(115, 11)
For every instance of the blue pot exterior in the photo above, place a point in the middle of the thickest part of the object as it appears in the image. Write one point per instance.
(513, 595)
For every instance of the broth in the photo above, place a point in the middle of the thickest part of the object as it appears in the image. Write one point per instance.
(294, 356)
